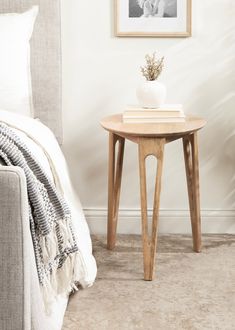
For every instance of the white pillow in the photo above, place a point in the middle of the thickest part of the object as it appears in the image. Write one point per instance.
(15, 77)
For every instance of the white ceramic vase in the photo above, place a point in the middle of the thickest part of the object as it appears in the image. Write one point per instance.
(151, 94)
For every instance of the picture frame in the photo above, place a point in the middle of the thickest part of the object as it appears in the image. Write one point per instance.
(153, 18)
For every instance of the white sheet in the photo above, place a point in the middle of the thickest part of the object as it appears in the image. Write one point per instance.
(47, 151)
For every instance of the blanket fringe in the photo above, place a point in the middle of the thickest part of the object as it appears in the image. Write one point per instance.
(63, 280)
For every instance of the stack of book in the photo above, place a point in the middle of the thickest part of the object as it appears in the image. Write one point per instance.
(167, 113)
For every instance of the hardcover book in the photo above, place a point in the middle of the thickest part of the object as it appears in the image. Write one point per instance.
(166, 113)
(154, 120)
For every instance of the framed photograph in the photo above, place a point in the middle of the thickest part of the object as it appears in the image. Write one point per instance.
(153, 18)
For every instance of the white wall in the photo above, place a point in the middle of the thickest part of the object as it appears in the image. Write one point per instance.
(100, 73)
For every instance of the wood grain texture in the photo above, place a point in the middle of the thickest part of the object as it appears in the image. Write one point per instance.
(172, 34)
(151, 140)
(192, 173)
(115, 124)
(114, 186)
(147, 147)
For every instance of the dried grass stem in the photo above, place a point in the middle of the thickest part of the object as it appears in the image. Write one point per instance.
(153, 68)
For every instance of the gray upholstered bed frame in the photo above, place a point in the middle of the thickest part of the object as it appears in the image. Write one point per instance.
(21, 305)
(45, 59)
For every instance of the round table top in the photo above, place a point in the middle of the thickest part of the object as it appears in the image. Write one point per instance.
(115, 124)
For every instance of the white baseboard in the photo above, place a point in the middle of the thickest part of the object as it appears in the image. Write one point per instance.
(171, 221)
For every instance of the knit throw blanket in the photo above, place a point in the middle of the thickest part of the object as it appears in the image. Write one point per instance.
(50, 219)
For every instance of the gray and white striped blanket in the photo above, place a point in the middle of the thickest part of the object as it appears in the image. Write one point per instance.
(49, 215)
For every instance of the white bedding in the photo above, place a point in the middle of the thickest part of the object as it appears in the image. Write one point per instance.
(47, 151)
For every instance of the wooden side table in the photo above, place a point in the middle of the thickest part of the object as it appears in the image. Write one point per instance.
(151, 140)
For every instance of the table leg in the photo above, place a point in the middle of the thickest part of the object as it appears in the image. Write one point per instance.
(114, 186)
(192, 173)
(147, 147)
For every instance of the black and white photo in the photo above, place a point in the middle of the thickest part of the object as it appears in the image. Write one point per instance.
(153, 8)
(160, 18)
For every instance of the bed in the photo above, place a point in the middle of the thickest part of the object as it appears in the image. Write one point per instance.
(21, 302)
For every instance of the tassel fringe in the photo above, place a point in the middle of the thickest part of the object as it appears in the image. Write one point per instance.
(63, 280)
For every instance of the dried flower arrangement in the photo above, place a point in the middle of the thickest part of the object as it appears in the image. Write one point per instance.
(153, 67)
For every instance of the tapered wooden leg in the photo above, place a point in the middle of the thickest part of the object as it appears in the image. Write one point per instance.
(147, 147)
(192, 173)
(114, 186)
